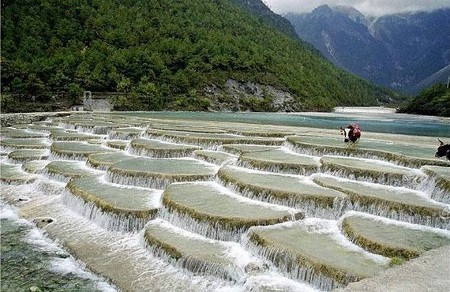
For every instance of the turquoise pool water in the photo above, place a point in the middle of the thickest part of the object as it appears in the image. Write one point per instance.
(384, 122)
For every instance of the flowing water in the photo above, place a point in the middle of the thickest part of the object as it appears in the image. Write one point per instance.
(158, 201)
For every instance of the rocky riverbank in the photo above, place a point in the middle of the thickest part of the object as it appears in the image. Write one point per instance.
(27, 118)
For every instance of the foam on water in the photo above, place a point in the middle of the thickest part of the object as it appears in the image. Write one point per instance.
(79, 224)
(108, 220)
(306, 272)
(10, 212)
(126, 247)
(233, 251)
(213, 231)
(63, 265)
(68, 266)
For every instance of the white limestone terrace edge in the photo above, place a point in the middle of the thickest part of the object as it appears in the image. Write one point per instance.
(117, 133)
(84, 142)
(233, 249)
(166, 142)
(124, 152)
(232, 156)
(330, 228)
(414, 171)
(389, 221)
(400, 190)
(290, 151)
(80, 163)
(154, 200)
(45, 151)
(301, 178)
(46, 142)
(227, 192)
(28, 130)
(249, 170)
(18, 168)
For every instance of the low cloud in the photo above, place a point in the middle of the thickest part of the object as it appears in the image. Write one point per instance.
(367, 7)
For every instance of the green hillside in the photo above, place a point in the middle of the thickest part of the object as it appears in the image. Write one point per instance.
(434, 101)
(161, 54)
(259, 9)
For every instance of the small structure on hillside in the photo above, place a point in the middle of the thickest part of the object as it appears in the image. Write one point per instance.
(101, 102)
(87, 101)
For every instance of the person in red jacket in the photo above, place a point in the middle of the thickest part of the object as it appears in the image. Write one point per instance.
(351, 133)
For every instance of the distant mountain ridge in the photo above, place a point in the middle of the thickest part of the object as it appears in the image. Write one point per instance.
(400, 51)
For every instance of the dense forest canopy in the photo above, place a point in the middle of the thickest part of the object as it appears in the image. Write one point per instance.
(434, 101)
(161, 54)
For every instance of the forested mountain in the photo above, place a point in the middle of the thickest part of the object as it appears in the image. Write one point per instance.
(259, 9)
(434, 101)
(163, 54)
(402, 51)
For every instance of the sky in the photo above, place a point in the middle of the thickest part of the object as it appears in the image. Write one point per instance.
(367, 7)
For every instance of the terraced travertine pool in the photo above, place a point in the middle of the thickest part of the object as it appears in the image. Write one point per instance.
(159, 203)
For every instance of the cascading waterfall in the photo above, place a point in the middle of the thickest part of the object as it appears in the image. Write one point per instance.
(107, 220)
(308, 206)
(88, 218)
(211, 230)
(290, 268)
(52, 265)
(139, 181)
(57, 156)
(116, 135)
(214, 146)
(384, 210)
(159, 154)
(278, 168)
(190, 264)
(435, 190)
(408, 180)
(299, 266)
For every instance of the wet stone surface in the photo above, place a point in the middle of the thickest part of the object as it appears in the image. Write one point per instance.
(28, 268)
(156, 203)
